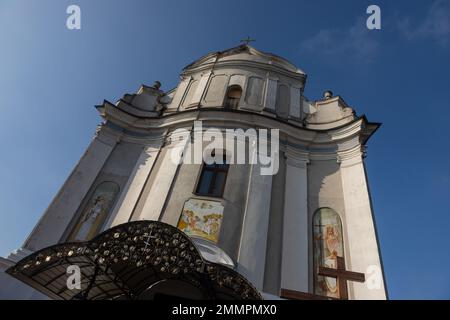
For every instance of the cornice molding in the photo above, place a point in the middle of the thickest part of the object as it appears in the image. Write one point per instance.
(323, 156)
(5, 263)
(215, 64)
(319, 144)
(350, 129)
(19, 254)
(296, 157)
(106, 135)
(351, 156)
(111, 136)
(243, 63)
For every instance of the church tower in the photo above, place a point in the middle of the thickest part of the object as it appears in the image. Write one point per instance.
(146, 212)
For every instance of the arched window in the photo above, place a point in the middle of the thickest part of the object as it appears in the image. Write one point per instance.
(233, 97)
(213, 177)
(95, 212)
(328, 245)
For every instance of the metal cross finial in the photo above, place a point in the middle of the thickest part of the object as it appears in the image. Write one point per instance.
(248, 40)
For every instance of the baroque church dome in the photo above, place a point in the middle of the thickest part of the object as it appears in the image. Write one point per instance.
(244, 55)
(242, 79)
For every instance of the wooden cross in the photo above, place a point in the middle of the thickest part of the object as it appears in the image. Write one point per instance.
(342, 276)
(248, 40)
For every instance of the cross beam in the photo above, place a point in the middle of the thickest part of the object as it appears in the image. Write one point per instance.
(248, 40)
(342, 276)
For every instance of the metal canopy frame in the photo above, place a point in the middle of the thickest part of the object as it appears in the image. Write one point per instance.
(122, 262)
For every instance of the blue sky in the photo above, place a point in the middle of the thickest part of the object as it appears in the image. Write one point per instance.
(51, 78)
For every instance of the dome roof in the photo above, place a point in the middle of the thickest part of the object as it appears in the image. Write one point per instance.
(244, 53)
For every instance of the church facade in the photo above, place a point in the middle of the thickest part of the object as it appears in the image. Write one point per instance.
(292, 220)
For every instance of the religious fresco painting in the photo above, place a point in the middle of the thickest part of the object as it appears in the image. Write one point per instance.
(95, 212)
(328, 245)
(201, 218)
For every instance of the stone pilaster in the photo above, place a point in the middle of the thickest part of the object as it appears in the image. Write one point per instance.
(362, 252)
(162, 182)
(253, 244)
(129, 196)
(295, 258)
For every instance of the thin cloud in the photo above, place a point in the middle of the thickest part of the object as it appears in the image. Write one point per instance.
(435, 26)
(355, 42)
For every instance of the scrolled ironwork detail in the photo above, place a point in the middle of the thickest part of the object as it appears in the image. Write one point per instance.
(159, 249)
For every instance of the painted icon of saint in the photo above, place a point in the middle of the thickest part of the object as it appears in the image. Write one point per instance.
(95, 212)
(92, 214)
(332, 240)
(328, 245)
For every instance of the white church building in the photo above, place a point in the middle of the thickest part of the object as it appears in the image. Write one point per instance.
(141, 216)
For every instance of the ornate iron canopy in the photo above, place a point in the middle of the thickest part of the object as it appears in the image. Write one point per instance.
(126, 262)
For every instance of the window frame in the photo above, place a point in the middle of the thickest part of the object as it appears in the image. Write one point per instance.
(226, 104)
(314, 266)
(215, 170)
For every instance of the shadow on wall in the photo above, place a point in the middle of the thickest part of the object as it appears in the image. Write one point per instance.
(324, 186)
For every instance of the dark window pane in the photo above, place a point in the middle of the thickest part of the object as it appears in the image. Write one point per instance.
(213, 177)
(218, 184)
(205, 182)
